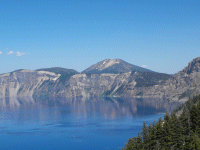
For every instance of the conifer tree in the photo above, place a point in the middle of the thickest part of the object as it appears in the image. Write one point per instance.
(171, 133)
(159, 131)
(145, 135)
(158, 145)
(152, 135)
(198, 118)
(192, 142)
(139, 142)
(184, 121)
(193, 117)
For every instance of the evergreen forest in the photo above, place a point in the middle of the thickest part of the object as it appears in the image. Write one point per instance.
(179, 130)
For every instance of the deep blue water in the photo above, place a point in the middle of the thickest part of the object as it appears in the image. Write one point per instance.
(78, 124)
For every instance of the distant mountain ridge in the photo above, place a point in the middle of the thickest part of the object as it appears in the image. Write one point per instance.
(113, 66)
(59, 70)
(109, 80)
(65, 73)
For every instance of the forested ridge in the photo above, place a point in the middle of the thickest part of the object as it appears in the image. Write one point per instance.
(175, 132)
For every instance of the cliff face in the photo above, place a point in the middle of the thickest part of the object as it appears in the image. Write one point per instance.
(24, 82)
(77, 85)
(130, 84)
(178, 88)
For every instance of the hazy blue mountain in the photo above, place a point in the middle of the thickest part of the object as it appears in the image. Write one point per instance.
(113, 66)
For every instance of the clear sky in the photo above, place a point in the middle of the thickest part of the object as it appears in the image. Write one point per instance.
(164, 35)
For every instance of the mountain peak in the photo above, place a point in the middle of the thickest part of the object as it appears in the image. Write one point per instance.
(113, 66)
(107, 63)
(193, 66)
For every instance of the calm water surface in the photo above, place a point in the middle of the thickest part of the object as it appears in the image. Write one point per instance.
(75, 123)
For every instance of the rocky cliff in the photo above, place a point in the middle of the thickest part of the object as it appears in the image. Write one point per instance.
(130, 84)
(178, 88)
(24, 82)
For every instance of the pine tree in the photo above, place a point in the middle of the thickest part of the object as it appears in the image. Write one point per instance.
(145, 135)
(158, 145)
(198, 119)
(140, 144)
(197, 142)
(181, 137)
(172, 132)
(166, 117)
(159, 131)
(152, 135)
(192, 142)
(193, 117)
(184, 121)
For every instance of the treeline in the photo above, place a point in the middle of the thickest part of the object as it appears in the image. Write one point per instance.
(180, 132)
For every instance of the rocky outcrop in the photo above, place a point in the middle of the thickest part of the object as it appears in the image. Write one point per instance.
(180, 87)
(130, 84)
(24, 82)
(79, 85)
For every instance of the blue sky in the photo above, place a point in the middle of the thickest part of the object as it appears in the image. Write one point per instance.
(75, 34)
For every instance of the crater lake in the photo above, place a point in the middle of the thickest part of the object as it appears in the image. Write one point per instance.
(75, 123)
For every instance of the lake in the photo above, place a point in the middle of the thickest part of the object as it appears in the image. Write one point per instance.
(75, 123)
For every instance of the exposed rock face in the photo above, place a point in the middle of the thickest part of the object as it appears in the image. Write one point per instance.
(24, 82)
(113, 66)
(78, 85)
(130, 84)
(183, 84)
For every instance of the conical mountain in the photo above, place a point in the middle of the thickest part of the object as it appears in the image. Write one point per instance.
(113, 66)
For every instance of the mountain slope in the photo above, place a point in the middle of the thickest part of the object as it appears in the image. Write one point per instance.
(59, 70)
(113, 66)
(24, 82)
(129, 84)
(65, 73)
(135, 83)
(184, 84)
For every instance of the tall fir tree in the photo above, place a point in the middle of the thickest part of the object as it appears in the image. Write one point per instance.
(145, 135)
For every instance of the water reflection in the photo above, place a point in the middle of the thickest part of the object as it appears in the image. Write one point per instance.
(54, 123)
(107, 107)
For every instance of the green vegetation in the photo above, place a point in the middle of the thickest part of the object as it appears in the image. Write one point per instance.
(180, 133)
(146, 79)
(185, 94)
(108, 92)
(65, 77)
(59, 70)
